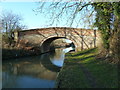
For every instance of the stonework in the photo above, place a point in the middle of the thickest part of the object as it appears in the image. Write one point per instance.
(42, 38)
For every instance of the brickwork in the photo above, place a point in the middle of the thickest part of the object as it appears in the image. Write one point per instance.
(82, 38)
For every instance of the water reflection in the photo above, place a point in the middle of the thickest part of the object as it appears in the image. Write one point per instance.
(33, 72)
(59, 55)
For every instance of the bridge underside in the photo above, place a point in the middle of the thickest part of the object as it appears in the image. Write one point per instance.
(46, 46)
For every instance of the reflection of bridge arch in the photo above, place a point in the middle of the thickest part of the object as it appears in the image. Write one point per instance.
(38, 66)
(82, 38)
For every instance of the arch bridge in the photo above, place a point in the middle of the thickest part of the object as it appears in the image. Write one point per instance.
(42, 38)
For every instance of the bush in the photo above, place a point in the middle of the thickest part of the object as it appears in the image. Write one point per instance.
(6, 40)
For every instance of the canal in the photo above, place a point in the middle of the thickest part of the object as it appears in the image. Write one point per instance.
(35, 71)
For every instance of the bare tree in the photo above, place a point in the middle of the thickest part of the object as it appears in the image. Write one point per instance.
(11, 22)
(73, 12)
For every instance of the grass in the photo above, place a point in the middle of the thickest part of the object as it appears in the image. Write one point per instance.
(73, 76)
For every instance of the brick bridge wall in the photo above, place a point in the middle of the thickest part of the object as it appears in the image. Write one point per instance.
(82, 38)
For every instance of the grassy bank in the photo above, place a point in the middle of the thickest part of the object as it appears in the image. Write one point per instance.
(84, 70)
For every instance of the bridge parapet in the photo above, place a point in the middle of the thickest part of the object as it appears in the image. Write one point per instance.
(82, 38)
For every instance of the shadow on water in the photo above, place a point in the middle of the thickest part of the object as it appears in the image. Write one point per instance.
(30, 65)
(32, 72)
(29, 72)
(48, 64)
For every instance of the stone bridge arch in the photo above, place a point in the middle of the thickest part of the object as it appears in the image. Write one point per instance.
(82, 38)
(45, 44)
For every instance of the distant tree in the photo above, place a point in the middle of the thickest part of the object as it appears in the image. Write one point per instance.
(11, 22)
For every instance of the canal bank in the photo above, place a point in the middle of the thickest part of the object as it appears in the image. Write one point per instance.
(17, 52)
(85, 70)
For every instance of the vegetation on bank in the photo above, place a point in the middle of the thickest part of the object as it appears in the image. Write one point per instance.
(11, 53)
(86, 70)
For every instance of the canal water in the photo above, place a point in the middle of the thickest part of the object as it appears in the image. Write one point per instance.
(33, 72)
